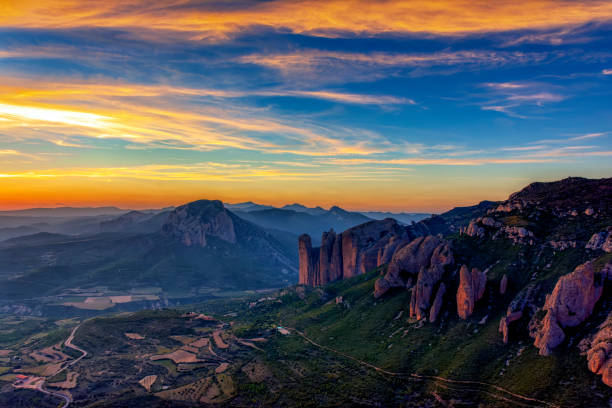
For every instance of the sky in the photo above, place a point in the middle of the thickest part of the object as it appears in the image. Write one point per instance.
(387, 105)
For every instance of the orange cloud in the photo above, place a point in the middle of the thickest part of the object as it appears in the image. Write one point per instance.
(324, 18)
(162, 114)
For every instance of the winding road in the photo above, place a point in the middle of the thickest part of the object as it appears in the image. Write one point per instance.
(501, 393)
(40, 386)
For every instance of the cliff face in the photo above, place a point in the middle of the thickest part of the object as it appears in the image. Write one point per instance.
(353, 252)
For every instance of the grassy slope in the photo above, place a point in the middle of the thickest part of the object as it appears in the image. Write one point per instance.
(456, 349)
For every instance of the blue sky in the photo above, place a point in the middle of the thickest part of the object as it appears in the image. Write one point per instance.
(399, 106)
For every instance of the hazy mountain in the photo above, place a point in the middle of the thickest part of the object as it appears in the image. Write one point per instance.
(299, 222)
(247, 206)
(404, 218)
(65, 212)
(135, 222)
(300, 208)
(198, 244)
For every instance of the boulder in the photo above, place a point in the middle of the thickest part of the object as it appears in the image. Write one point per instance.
(574, 296)
(471, 289)
(381, 286)
(547, 334)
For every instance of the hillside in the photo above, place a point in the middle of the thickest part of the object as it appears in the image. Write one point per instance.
(493, 305)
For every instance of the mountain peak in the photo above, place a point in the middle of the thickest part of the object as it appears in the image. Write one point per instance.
(192, 223)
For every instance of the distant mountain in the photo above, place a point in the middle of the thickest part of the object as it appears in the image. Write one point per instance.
(65, 212)
(300, 208)
(135, 222)
(404, 218)
(200, 244)
(299, 222)
(247, 206)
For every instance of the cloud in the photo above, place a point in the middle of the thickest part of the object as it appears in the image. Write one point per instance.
(607, 72)
(589, 136)
(210, 171)
(358, 99)
(169, 117)
(197, 20)
(336, 63)
(512, 98)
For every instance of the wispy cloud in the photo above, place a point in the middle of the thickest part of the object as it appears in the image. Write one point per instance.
(217, 21)
(589, 136)
(329, 65)
(510, 97)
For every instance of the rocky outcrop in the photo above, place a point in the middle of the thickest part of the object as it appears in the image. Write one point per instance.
(569, 304)
(193, 223)
(598, 351)
(437, 303)
(474, 230)
(471, 289)
(503, 284)
(480, 227)
(516, 309)
(309, 262)
(601, 240)
(562, 245)
(353, 252)
(504, 324)
(420, 262)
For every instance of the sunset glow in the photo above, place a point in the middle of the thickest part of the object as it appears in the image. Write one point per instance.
(404, 106)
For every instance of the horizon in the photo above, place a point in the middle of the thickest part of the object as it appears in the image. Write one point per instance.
(309, 204)
(346, 103)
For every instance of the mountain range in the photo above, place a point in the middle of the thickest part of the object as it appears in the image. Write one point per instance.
(491, 305)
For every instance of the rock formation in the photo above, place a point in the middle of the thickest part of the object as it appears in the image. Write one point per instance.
(309, 262)
(479, 227)
(471, 289)
(419, 262)
(474, 230)
(601, 240)
(504, 324)
(503, 284)
(437, 303)
(523, 300)
(194, 222)
(569, 304)
(353, 252)
(598, 350)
